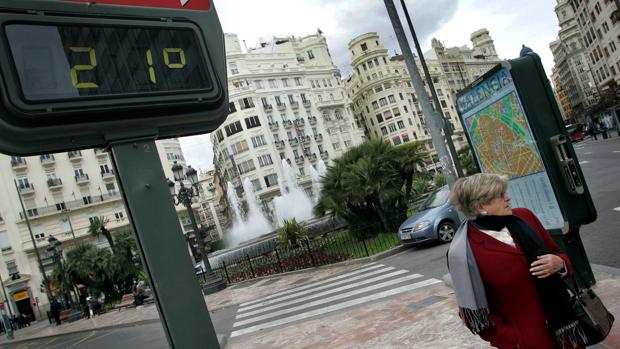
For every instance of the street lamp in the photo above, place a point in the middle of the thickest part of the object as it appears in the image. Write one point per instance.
(54, 247)
(213, 282)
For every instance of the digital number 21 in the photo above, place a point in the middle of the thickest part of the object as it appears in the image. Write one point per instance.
(92, 63)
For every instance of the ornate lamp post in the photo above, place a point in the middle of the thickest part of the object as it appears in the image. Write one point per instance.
(213, 282)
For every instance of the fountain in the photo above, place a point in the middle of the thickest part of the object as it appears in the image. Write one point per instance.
(250, 225)
(293, 202)
(316, 179)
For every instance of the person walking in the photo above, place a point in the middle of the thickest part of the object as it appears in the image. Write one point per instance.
(55, 311)
(507, 271)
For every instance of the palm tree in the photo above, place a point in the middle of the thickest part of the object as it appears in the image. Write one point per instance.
(467, 161)
(364, 187)
(97, 227)
(410, 157)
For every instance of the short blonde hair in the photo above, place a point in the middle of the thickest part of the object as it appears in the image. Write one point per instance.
(478, 189)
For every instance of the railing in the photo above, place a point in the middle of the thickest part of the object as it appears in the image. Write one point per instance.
(324, 155)
(299, 122)
(312, 120)
(74, 204)
(318, 137)
(293, 141)
(274, 125)
(26, 188)
(279, 144)
(287, 123)
(294, 105)
(267, 107)
(281, 106)
(74, 155)
(18, 162)
(47, 159)
(54, 182)
(306, 103)
(299, 159)
(100, 152)
(81, 178)
(107, 174)
(332, 248)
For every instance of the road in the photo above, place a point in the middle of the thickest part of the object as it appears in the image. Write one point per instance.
(599, 160)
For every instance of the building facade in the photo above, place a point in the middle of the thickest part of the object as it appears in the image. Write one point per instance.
(384, 101)
(61, 194)
(287, 103)
(213, 206)
(573, 78)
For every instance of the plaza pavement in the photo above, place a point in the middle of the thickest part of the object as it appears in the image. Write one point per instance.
(424, 317)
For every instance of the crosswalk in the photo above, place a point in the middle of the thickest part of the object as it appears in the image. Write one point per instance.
(369, 283)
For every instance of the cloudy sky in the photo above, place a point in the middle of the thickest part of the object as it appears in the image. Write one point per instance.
(511, 23)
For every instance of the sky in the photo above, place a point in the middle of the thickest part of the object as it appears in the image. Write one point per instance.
(510, 24)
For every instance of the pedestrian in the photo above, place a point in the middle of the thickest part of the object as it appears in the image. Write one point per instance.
(55, 310)
(507, 271)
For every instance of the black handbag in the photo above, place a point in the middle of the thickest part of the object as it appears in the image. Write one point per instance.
(593, 317)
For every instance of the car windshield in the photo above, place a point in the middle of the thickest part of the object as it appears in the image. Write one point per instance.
(436, 199)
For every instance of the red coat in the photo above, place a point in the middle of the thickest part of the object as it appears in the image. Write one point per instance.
(516, 310)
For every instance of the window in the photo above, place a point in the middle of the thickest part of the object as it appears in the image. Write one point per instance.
(310, 54)
(111, 189)
(233, 128)
(378, 89)
(370, 64)
(384, 131)
(258, 84)
(5, 245)
(104, 168)
(219, 135)
(304, 100)
(405, 137)
(312, 83)
(375, 105)
(387, 114)
(239, 147)
(336, 146)
(119, 214)
(246, 103)
(401, 125)
(291, 99)
(382, 102)
(271, 180)
(233, 68)
(297, 81)
(379, 118)
(443, 104)
(246, 166)
(391, 99)
(265, 160)
(23, 183)
(396, 140)
(231, 107)
(338, 115)
(285, 82)
(258, 141)
(11, 267)
(252, 122)
(392, 127)
(396, 111)
(364, 47)
(60, 206)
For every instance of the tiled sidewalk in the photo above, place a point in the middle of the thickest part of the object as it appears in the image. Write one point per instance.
(425, 318)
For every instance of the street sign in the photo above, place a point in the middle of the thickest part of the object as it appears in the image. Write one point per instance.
(80, 74)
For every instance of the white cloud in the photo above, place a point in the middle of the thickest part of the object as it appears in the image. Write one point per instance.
(511, 23)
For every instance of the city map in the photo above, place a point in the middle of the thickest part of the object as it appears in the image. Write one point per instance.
(503, 140)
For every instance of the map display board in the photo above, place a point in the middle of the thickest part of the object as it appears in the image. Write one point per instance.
(503, 143)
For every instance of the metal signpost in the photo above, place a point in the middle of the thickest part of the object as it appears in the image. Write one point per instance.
(514, 127)
(69, 82)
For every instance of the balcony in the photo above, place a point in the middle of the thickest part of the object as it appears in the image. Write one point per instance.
(47, 159)
(330, 103)
(312, 157)
(268, 107)
(318, 137)
(293, 141)
(99, 152)
(304, 139)
(109, 174)
(17, 162)
(306, 103)
(82, 179)
(26, 189)
(287, 123)
(279, 144)
(312, 120)
(324, 155)
(54, 183)
(274, 126)
(281, 106)
(299, 122)
(75, 155)
(299, 159)
(294, 105)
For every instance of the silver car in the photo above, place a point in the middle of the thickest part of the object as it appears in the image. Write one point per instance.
(436, 220)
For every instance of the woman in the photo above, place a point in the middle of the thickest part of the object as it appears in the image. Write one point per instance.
(506, 271)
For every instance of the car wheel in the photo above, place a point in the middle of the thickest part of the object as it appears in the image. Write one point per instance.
(445, 231)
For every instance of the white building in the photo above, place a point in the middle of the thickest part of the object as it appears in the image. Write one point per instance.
(286, 103)
(61, 194)
(572, 77)
(384, 100)
(212, 204)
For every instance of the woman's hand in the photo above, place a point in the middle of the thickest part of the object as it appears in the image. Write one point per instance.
(546, 265)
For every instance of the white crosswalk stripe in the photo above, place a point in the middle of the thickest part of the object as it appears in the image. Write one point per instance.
(367, 284)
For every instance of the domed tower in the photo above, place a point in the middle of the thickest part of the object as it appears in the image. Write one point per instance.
(483, 44)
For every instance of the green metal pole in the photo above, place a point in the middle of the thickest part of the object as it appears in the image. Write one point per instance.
(182, 308)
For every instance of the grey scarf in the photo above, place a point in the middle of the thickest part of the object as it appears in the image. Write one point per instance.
(468, 286)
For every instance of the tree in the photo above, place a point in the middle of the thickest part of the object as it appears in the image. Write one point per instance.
(410, 157)
(468, 163)
(291, 233)
(364, 187)
(97, 227)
